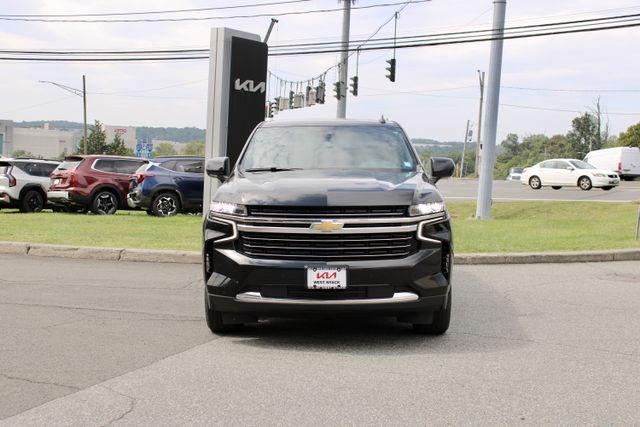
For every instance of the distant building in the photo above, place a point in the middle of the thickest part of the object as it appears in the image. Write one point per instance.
(45, 142)
(6, 137)
(52, 143)
(127, 133)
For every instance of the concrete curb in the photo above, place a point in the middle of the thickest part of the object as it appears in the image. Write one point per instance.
(191, 257)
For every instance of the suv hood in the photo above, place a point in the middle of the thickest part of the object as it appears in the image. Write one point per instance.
(328, 188)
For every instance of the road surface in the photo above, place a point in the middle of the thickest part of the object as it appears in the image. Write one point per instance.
(99, 343)
(467, 189)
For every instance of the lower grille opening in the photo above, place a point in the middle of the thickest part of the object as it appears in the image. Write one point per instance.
(354, 292)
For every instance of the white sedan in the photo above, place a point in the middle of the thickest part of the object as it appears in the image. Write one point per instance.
(558, 173)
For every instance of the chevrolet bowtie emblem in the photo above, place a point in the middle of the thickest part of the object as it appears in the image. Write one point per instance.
(327, 226)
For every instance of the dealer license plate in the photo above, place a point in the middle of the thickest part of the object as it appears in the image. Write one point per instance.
(326, 277)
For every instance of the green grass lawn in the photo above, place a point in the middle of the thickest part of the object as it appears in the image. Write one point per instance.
(515, 227)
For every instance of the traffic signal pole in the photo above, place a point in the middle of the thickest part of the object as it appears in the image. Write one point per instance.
(485, 184)
(344, 60)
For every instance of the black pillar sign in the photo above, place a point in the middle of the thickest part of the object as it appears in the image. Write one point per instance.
(247, 92)
(236, 98)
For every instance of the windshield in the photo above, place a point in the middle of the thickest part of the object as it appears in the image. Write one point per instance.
(328, 147)
(69, 165)
(517, 170)
(579, 164)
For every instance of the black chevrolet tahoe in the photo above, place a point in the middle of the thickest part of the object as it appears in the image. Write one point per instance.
(331, 218)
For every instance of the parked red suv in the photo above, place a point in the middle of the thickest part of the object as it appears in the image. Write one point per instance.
(99, 183)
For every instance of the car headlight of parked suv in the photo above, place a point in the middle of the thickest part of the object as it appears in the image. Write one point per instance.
(226, 208)
(426, 208)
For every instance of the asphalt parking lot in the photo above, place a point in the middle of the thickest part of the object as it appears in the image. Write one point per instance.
(95, 343)
(467, 189)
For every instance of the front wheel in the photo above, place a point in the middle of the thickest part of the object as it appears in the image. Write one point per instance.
(535, 183)
(584, 183)
(165, 204)
(104, 203)
(556, 187)
(441, 321)
(215, 321)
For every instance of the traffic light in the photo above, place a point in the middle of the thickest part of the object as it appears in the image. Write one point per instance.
(354, 85)
(320, 93)
(337, 87)
(291, 94)
(273, 107)
(391, 69)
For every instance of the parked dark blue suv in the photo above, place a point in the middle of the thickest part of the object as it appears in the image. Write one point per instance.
(168, 185)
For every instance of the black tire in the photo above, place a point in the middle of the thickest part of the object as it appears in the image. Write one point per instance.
(31, 201)
(556, 187)
(441, 321)
(104, 203)
(607, 187)
(215, 322)
(584, 182)
(535, 183)
(165, 204)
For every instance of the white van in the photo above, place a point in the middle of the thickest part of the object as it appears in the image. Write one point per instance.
(624, 160)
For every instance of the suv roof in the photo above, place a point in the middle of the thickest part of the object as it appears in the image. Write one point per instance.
(31, 159)
(101, 156)
(328, 122)
(163, 158)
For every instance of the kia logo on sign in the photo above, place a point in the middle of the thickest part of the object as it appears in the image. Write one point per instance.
(250, 86)
(327, 275)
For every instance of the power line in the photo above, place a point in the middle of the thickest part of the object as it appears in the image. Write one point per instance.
(201, 18)
(370, 40)
(378, 46)
(153, 12)
(538, 89)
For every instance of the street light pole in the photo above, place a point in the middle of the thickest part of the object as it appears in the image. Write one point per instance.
(464, 148)
(344, 60)
(84, 105)
(479, 142)
(485, 184)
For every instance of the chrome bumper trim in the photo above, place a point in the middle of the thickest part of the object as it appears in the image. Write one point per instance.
(350, 230)
(440, 216)
(398, 297)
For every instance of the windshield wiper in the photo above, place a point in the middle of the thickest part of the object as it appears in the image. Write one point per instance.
(271, 169)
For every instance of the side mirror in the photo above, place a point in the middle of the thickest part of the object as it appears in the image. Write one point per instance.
(569, 168)
(218, 167)
(441, 167)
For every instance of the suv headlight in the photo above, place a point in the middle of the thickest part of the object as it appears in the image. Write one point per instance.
(226, 208)
(599, 175)
(426, 208)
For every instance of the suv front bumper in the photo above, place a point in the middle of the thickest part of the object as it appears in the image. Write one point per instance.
(417, 284)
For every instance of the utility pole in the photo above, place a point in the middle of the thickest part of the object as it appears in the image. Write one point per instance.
(478, 153)
(464, 148)
(84, 104)
(343, 70)
(485, 184)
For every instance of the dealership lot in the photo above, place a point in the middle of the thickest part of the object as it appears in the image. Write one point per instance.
(466, 189)
(127, 342)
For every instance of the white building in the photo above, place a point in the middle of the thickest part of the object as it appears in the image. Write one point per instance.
(6, 137)
(127, 133)
(52, 143)
(45, 142)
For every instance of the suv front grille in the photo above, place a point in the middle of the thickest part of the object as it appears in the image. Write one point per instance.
(327, 211)
(322, 247)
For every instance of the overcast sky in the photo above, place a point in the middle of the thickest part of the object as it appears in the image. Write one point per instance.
(601, 60)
